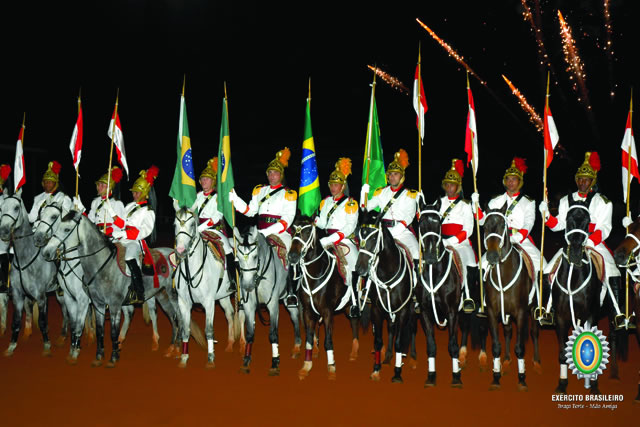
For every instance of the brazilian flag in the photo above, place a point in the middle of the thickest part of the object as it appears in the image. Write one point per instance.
(225, 171)
(183, 187)
(309, 183)
(373, 151)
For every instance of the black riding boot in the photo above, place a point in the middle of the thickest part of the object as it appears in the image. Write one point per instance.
(416, 268)
(136, 289)
(469, 305)
(291, 300)
(231, 272)
(545, 317)
(4, 273)
(616, 284)
(354, 310)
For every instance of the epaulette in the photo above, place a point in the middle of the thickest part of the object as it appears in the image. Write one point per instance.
(257, 189)
(291, 195)
(322, 203)
(378, 191)
(412, 193)
(602, 196)
(351, 206)
(528, 198)
(466, 201)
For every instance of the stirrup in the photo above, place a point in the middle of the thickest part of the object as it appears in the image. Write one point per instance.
(132, 298)
(468, 305)
(291, 301)
(59, 291)
(620, 321)
(539, 313)
(547, 319)
(354, 312)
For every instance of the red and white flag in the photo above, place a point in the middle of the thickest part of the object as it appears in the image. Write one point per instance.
(471, 134)
(628, 145)
(118, 141)
(419, 102)
(76, 140)
(551, 136)
(18, 166)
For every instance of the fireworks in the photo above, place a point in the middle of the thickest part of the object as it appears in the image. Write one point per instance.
(390, 80)
(608, 47)
(528, 16)
(533, 116)
(575, 66)
(451, 52)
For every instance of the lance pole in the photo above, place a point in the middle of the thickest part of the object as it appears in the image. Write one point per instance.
(540, 312)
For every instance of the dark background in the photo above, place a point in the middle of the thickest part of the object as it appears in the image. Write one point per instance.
(266, 53)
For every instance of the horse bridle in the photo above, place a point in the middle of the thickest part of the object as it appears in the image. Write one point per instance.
(191, 237)
(189, 252)
(297, 232)
(632, 259)
(431, 233)
(373, 256)
(15, 219)
(259, 275)
(575, 230)
(49, 226)
(501, 236)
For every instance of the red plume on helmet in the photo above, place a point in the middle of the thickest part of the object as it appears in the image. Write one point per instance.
(594, 161)
(521, 164)
(152, 173)
(5, 171)
(55, 167)
(459, 167)
(116, 174)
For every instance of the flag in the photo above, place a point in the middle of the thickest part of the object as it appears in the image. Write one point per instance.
(309, 183)
(419, 101)
(183, 186)
(18, 165)
(373, 151)
(628, 145)
(118, 140)
(551, 136)
(225, 171)
(471, 134)
(76, 139)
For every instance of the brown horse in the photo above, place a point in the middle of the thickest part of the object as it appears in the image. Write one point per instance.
(507, 286)
(627, 256)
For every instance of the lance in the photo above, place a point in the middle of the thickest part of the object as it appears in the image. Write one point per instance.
(113, 134)
(78, 167)
(369, 132)
(626, 293)
(419, 145)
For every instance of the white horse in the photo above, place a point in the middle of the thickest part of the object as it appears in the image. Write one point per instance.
(201, 279)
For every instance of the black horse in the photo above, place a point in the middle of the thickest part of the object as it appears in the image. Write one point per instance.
(389, 285)
(438, 291)
(577, 301)
(321, 291)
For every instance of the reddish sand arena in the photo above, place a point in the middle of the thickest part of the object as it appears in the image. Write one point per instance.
(146, 388)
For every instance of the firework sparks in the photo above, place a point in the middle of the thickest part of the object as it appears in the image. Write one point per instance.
(608, 46)
(452, 52)
(390, 80)
(533, 116)
(574, 64)
(537, 32)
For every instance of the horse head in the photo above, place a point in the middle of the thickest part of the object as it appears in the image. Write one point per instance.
(370, 236)
(576, 231)
(247, 253)
(627, 251)
(46, 224)
(496, 237)
(186, 229)
(63, 236)
(304, 237)
(13, 216)
(430, 232)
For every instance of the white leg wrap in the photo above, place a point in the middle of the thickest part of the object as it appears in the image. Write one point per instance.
(274, 350)
(210, 346)
(398, 360)
(563, 372)
(432, 364)
(521, 366)
(456, 365)
(330, 359)
(496, 364)
(308, 346)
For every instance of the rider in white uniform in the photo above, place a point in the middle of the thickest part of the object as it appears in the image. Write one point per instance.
(600, 210)
(50, 195)
(133, 227)
(339, 216)
(98, 213)
(275, 206)
(211, 219)
(521, 211)
(398, 205)
(5, 171)
(457, 227)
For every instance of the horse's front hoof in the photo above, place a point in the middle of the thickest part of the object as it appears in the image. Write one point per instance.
(71, 360)
(431, 380)
(46, 351)
(274, 372)
(27, 333)
(387, 358)
(244, 370)
(229, 347)
(96, 363)
(183, 361)
(482, 361)
(210, 365)
(462, 357)
(397, 376)
(169, 351)
(9, 351)
(375, 376)
(411, 363)
(332, 376)
(456, 382)
(537, 368)
(155, 345)
(111, 364)
(562, 387)
(59, 342)
(295, 351)
(494, 387)
(355, 346)
(303, 374)
(495, 384)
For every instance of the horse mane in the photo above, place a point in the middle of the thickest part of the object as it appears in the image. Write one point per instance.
(72, 215)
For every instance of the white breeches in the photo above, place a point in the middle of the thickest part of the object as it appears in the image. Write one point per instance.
(406, 237)
(133, 249)
(534, 254)
(350, 252)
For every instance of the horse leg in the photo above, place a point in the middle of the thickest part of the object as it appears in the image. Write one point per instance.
(294, 313)
(413, 329)
(169, 308)
(227, 308)
(355, 343)
(100, 312)
(210, 309)
(67, 306)
(18, 305)
(522, 321)
(376, 320)
(562, 331)
(153, 316)
(185, 317)
(127, 311)
(427, 327)
(464, 320)
(28, 317)
(274, 309)
(535, 335)
(454, 349)
(402, 341)
(81, 308)
(389, 349)
(310, 324)
(495, 348)
(4, 304)
(328, 343)
(250, 325)
(483, 332)
(114, 314)
(508, 334)
(43, 325)
(90, 323)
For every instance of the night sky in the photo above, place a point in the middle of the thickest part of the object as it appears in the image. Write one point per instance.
(267, 52)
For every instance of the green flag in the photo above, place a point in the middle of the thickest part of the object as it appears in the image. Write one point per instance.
(373, 151)
(225, 171)
(183, 187)
(309, 184)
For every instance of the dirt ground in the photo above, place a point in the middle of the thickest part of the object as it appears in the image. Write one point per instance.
(145, 388)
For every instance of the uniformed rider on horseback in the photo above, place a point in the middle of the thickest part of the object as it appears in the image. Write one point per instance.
(133, 227)
(521, 211)
(50, 195)
(457, 228)
(600, 210)
(210, 217)
(276, 208)
(5, 171)
(98, 213)
(339, 217)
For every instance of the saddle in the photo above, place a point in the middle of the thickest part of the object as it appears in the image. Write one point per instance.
(281, 249)
(527, 262)
(341, 251)
(457, 261)
(214, 242)
(159, 261)
(596, 259)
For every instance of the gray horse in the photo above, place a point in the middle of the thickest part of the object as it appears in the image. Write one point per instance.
(31, 275)
(106, 284)
(263, 282)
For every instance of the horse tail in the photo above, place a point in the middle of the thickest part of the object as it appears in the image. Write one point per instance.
(36, 314)
(365, 317)
(236, 323)
(263, 308)
(197, 335)
(145, 314)
(478, 330)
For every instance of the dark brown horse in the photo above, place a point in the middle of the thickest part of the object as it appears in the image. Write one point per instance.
(321, 291)
(507, 286)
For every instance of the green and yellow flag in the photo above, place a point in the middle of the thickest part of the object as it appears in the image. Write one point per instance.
(225, 171)
(183, 187)
(309, 183)
(373, 167)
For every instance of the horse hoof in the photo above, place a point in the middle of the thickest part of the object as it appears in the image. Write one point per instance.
(110, 364)
(537, 368)
(47, 352)
(456, 384)
(244, 370)
(72, 361)
(315, 352)
(274, 372)
(462, 356)
(494, 387)
(375, 376)
(229, 348)
(96, 363)
(169, 351)
(155, 346)
(243, 347)
(506, 364)
(59, 342)
(482, 361)
(182, 364)
(332, 376)
(303, 374)
(412, 363)
(295, 352)
(209, 365)
(397, 379)
(523, 387)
